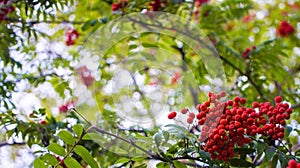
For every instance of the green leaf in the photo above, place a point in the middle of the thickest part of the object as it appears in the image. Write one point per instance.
(283, 159)
(87, 137)
(178, 164)
(240, 163)
(38, 163)
(162, 165)
(50, 159)
(122, 160)
(67, 137)
(287, 130)
(86, 156)
(78, 129)
(138, 158)
(157, 139)
(166, 136)
(260, 146)
(71, 163)
(57, 149)
(270, 151)
(274, 161)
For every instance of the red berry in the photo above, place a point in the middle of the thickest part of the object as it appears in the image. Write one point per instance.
(278, 99)
(222, 94)
(243, 100)
(223, 121)
(192, 115)
(43, 122)
(292, 163)
(115, 6)
(184, 110)
(201, 121)
(172, 115)
(198, 107)
(190, 120)
(280, 135)
(31, 114)
(285, 29)
(236, 99)
(230, 102)
(255, 105)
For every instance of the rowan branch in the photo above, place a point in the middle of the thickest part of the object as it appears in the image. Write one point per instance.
(33, 22)
(11, 144)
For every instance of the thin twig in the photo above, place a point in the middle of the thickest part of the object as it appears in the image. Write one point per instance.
(11, 144)
(32, 22)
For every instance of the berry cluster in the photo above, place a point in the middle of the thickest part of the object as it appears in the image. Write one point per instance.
(285, 29)
(293, 164)
(226, 125)
(121, 4)
(5, 9)
(247, 51)
(86, 76)
(199, 3)
(157, 5)
(71, 36)
(175, 78)
(66, 107)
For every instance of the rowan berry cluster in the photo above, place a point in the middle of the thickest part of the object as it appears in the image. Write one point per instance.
(247, 51)
(71, 36)
(199, 3)
(285, 29)
(157, 5)
(226, 125)
(5, 9)
(121, 4)
(66, 107)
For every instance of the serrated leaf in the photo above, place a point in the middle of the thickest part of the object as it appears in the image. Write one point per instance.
(57, 149)
(178, 164)
(71, 163)
(78, 129)
(122, 160)
(38, 163)
(86, 156)
(67, 137)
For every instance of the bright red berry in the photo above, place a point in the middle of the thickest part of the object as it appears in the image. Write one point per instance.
(172, 115)
(115, 7)
(285, 29)
(278, 99)
(43, 122)
(292, 163)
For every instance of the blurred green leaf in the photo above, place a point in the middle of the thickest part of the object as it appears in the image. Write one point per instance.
(86, 156)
